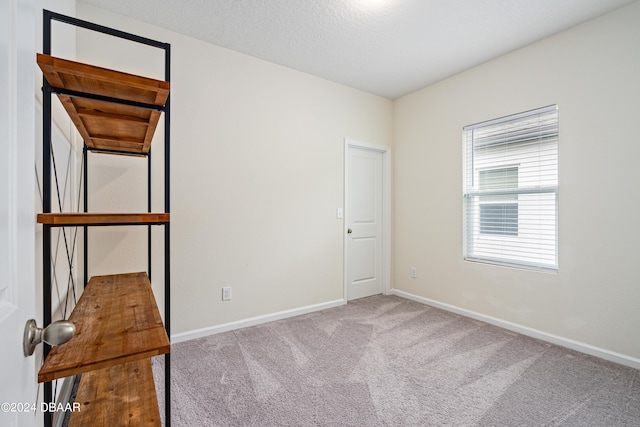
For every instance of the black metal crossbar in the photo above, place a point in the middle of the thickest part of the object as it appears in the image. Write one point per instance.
(102, 98)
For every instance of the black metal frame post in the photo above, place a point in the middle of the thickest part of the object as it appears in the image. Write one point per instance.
(85, 234)
(49, 16)
(167, 236)
(149, 210)
(46, 208)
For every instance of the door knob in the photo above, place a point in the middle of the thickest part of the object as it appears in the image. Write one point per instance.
(55, 334)
(349, 231)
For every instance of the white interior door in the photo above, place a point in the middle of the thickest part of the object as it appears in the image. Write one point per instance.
(364, 212)
(17, 210)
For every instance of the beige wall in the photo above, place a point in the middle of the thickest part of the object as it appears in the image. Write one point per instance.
(257, 164)
(257, 175)
(593, 73)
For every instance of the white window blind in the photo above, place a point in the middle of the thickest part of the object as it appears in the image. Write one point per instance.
(510, 181)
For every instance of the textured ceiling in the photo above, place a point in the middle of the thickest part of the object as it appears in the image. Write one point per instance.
(386, 47)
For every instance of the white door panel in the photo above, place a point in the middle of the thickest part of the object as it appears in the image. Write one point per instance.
(363, 262)
(364, 188)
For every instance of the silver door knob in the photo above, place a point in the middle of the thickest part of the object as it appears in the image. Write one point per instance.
(55, 334)
(349, 231)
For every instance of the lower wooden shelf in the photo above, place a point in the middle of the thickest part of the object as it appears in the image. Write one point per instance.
(117, 321)
(122, 395)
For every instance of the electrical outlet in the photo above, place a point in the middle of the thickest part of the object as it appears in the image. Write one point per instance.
(414, 273)
(226, 293)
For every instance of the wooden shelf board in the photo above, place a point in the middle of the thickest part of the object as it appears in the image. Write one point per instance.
(122, 395)
(78, 219)
(97, 120)
(117, 321)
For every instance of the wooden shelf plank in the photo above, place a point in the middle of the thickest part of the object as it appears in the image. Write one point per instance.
(99, 121)
(123, 395)
(78, 219)
(117, 321)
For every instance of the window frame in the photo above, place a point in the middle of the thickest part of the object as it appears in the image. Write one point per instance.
(473, 193)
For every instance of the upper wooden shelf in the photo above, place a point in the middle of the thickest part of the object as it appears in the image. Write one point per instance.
(79, 219)
(106, 125)
(117, 321)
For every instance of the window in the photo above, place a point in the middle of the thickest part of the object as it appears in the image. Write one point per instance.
(511, 190)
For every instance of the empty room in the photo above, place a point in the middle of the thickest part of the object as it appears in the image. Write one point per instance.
(320, 213)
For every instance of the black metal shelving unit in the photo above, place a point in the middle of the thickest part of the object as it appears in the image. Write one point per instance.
(48, 91)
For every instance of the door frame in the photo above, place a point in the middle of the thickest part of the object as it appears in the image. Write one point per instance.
(386, 212)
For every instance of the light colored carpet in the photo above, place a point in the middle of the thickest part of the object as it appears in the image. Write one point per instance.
(388, 361)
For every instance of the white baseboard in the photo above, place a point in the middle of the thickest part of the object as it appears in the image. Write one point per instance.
(524, 330)
(258, 320)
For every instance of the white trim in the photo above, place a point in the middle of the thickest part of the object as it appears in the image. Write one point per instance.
(512, 117)
(253, 321)
(602, 353)
(386, 212)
